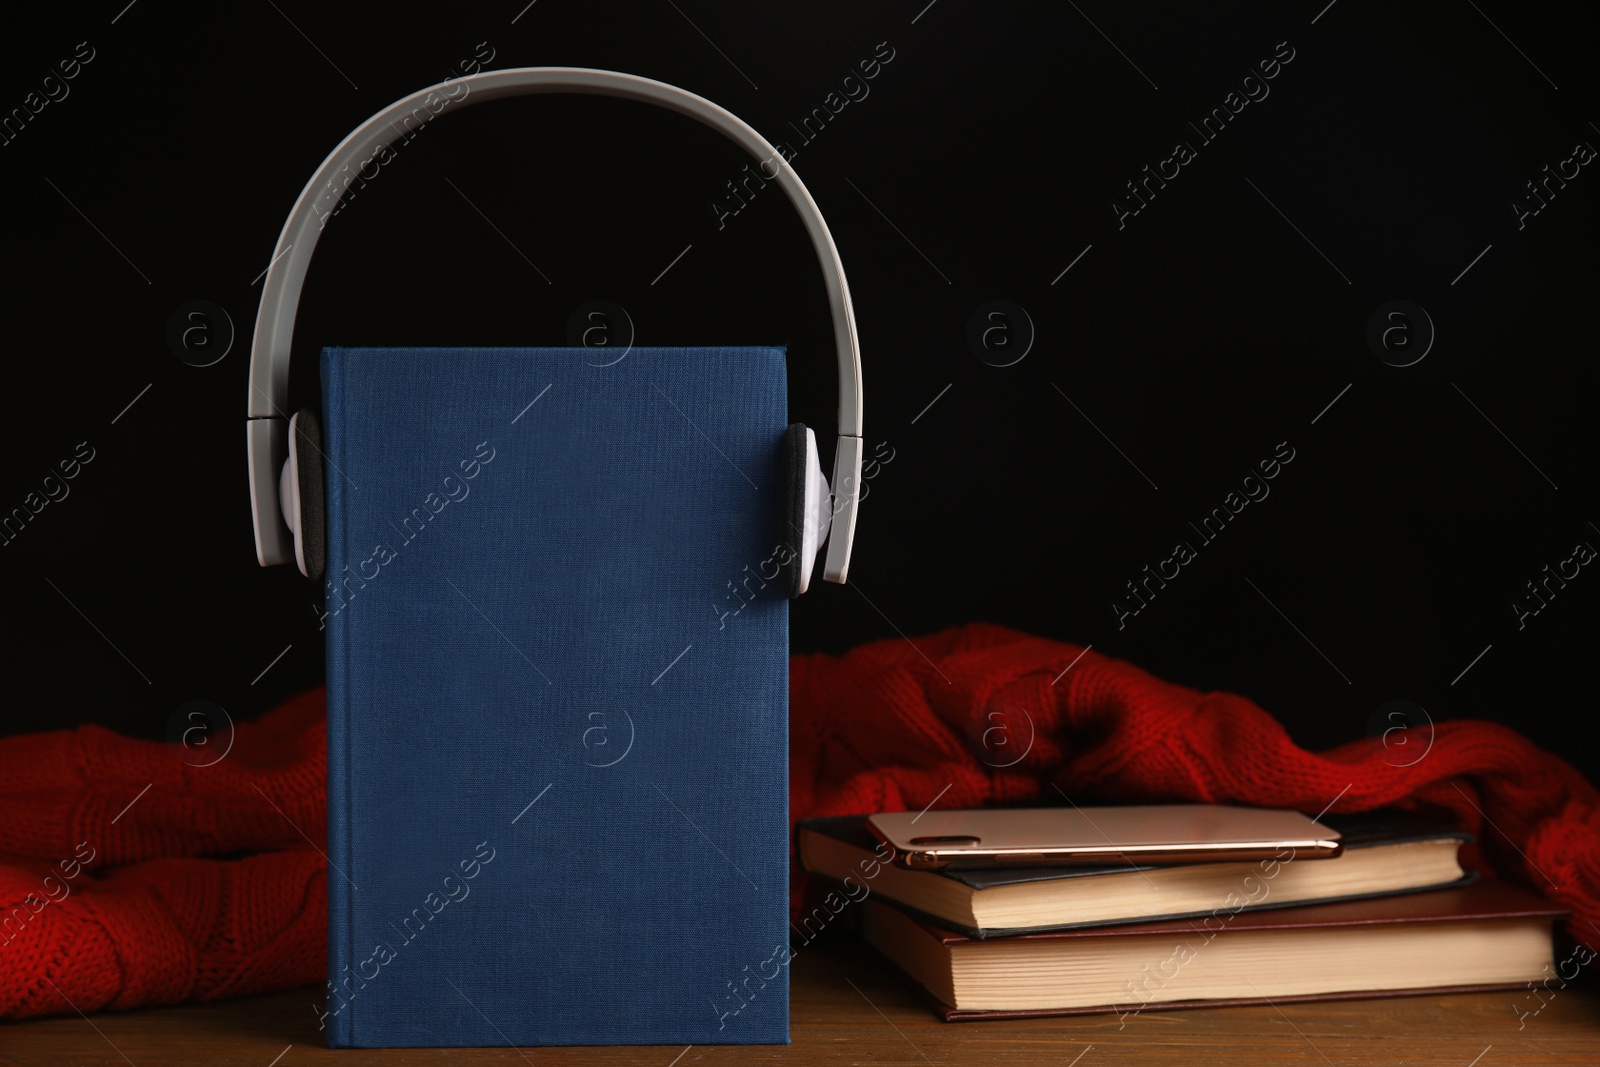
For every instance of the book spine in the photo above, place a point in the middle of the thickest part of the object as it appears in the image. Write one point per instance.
(340, 1008)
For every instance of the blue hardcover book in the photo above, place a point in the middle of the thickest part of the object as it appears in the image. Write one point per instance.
(557, 697)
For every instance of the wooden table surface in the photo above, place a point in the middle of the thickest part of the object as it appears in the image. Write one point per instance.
(849, 1008)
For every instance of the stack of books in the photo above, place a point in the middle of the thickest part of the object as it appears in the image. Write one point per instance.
(1393, 914)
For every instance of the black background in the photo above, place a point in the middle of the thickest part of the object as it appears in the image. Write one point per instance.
(1217, 322)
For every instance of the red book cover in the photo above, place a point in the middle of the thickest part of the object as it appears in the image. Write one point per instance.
(1485, 901)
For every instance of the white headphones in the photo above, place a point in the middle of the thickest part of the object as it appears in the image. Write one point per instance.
(285, 462)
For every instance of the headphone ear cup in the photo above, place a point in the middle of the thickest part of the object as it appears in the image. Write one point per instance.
(794, 569)
(808, 504)
(311, 539)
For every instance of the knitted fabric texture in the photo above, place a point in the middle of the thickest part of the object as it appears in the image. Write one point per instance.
(211, 882)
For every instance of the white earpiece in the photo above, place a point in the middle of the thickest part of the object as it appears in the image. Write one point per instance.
(818, 512)
(289, 497)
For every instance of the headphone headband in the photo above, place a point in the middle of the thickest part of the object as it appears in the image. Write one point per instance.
(270, 350)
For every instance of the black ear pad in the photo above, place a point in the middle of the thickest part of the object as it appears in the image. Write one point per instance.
(793, 518)
(313, 494)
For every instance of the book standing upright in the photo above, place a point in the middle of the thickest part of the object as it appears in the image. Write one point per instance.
(557, 697)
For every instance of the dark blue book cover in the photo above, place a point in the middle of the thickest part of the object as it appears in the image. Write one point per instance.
(557, 697)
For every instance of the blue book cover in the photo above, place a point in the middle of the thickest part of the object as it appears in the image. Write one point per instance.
(557, 697)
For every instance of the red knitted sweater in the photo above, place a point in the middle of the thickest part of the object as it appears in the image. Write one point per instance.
(212, 884)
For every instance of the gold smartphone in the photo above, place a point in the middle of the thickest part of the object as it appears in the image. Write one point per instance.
(1069, 837)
